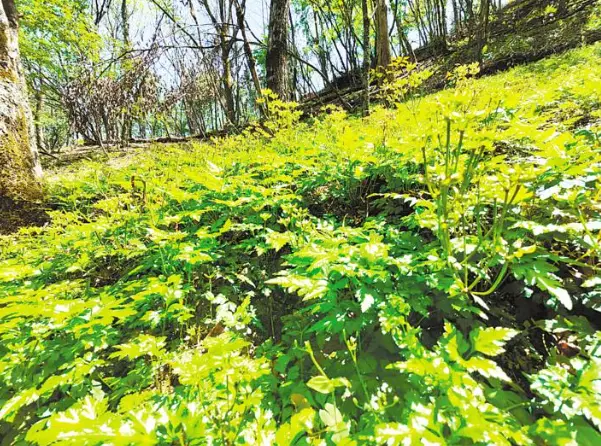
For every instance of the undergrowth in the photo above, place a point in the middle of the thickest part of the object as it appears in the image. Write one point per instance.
(424, 275)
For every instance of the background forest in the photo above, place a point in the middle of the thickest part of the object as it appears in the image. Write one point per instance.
(297, 222)
(114, 71)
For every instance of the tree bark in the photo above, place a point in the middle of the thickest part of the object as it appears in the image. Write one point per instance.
(366, 55)
(20, 169)
(321, 53)
(382, 39)
(277, 49)
(125, 25)
(37, 117)
(126, 119)
(250, 58)
(482, 34)
(222, 21)
(227, 82)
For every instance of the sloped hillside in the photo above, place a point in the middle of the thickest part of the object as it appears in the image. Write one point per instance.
(522, 31)
(427, 274)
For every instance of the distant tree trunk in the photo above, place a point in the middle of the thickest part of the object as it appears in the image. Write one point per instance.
(321, 53)
(222, 23)
(482, 28)
(404, 44)
(456, 17)
(277, 49)
(252, 65)
(227, 82)
(441, 13)
(469, 15)
(125, 24)
(142, 127)
(366, 55)
(127, 122)
(37, 117)
(19, 165)
(382, 39)
(419, 21)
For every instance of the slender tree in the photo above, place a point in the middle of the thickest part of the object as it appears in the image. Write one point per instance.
(252, 64)
(366, 54)
(277, 49)
(482, 32)
(19, 166)
(126, 127)
(37, 117)
(222, 20)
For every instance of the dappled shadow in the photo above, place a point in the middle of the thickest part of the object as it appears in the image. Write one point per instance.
(18, 214)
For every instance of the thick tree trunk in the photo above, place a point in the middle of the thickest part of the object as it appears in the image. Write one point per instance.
(227, 82)
(382, 39)
(19, 165)
(277, 49)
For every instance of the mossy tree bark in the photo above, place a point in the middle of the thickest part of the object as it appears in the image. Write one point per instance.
(20, 169)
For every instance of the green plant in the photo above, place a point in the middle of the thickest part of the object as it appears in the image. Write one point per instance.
(427, 273)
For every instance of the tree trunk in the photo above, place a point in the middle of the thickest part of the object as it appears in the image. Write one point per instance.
(19, 164)
(250, 58)
(469, 16)
(277, 49)
(321, 53)
(456, 17)
(482, 34)
(222, 22)
(227, 82)
(37, 117)
(442, 20)
(295, 78)
(127, 122)
(366, 55)
(382, 40)
(125, 25)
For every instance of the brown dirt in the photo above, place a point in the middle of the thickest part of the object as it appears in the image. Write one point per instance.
(19, 214)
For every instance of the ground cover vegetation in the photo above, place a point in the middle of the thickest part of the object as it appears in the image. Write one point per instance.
(427, 274)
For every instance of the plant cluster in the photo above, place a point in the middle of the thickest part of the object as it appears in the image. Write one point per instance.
(428, 274)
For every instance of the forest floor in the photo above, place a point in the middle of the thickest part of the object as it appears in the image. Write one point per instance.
(17, 215)
(428, 272)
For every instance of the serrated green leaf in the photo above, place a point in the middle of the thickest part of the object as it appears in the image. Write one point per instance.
(491, 341)
(323, 384)
(486, 367)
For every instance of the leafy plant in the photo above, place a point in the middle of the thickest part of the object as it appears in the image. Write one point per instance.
(428, 273)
